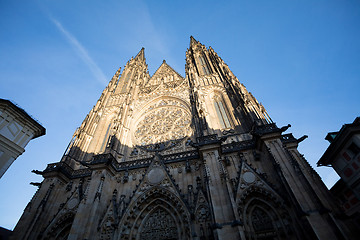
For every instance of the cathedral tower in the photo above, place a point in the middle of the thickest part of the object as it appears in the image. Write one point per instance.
(173, 157)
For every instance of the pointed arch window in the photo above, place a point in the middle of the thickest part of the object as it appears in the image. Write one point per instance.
(203, 65)
(221, 113)
(105, 141)
(126, 82)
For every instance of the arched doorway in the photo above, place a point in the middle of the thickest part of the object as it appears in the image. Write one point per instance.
(158, 214)
(262, 224)
(265, 216)
(64, 233)
(60, 229)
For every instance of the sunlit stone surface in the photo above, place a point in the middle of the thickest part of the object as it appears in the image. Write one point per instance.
(171, 157)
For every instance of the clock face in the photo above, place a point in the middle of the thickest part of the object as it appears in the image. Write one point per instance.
(163, 125)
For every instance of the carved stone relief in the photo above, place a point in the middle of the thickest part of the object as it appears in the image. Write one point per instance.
(160, 215)
(159, 225)
(163, 124)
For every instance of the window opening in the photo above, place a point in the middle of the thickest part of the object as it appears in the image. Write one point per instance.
(203, 65)
(103, 145)
(222, 115)
(126, 82)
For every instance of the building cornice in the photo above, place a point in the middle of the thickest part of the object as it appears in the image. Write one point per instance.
(342, 137)
(22, 116)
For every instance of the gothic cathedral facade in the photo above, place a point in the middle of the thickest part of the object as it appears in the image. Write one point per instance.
(170, 157)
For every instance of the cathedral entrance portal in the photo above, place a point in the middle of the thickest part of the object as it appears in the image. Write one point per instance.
(159, 216)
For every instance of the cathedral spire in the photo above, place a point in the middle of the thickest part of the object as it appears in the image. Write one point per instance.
(196, 45)
(192, 41)
(141, 55)
(134, 73)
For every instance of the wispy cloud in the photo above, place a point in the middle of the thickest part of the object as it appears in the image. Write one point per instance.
(81, 51)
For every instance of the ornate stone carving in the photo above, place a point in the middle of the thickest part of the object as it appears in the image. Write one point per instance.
(163, 125)
(202, 213)
(61, 228)
(261, 221)
(159, 225)
(161, 215)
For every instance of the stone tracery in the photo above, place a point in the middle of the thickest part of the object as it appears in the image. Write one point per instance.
(163, 123)
(161, 215)
(264, 217)
(159, 225)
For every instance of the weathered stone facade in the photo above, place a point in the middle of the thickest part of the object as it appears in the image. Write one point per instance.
(168, 157)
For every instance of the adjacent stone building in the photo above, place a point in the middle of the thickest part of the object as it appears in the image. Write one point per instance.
(173, 157)
(343, 154)
(17, 128)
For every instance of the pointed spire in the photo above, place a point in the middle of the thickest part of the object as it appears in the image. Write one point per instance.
(141, 55)
(192, 41)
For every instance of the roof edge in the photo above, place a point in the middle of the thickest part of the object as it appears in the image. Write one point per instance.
(39, 130)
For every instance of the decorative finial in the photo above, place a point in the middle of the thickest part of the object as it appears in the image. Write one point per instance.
(192, 40)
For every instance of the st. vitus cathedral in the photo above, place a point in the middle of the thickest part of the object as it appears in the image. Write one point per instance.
(171, 157)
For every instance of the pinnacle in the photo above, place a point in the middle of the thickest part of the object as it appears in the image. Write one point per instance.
(192, 41)
(141, 54)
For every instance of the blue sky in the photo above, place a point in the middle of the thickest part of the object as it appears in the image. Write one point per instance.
(301, 59)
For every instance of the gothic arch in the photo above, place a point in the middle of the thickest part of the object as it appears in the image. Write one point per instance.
(264, 215)
(146, 106)
(222, 106)
(203, 63)
(159, 223)
(60, 228)
(214, 89)
(157, 209)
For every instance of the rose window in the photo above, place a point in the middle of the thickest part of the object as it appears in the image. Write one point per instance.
(163, 124)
